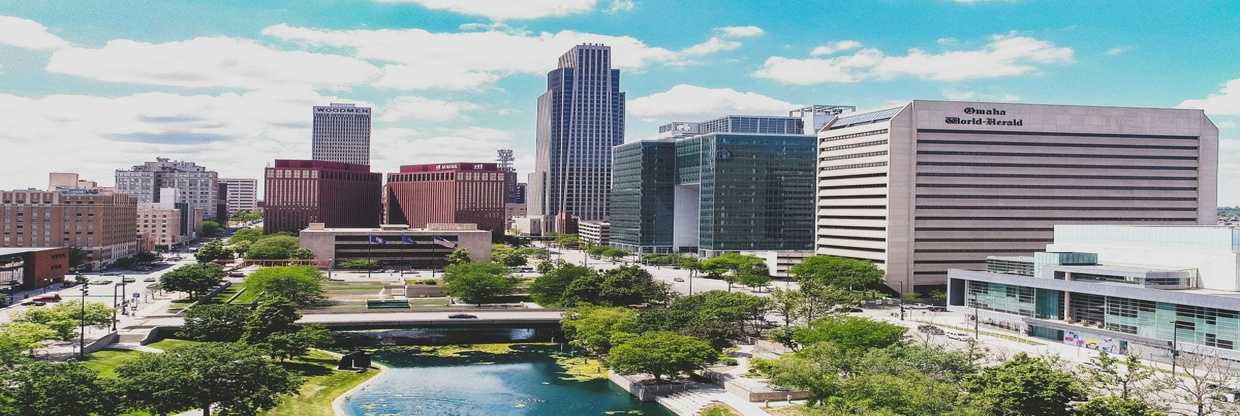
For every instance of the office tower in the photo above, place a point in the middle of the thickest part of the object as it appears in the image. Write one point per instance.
(471, 193)
(580, 118)
(813, 117)
(195, 185)
(743, 183)
(299, 192)
(100, 223)
(242, 194)
(221, 203)
(933, 185)
(341, 133)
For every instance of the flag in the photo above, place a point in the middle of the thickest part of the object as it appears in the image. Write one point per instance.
(407, 239)
(444, 242)
(374, 239)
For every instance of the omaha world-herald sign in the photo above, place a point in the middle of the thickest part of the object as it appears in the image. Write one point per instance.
(983, 117)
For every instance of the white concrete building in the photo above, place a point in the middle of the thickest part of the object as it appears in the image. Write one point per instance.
(242, 194)
(195, 185)
(594, 232)
(933, 185)
(396, 245)
(341, 133)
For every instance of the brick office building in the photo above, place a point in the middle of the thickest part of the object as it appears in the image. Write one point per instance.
(100, 223)
(460, 192)
(299, 192)
(32, 268)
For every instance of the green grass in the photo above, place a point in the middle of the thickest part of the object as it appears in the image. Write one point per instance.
(170, 343)
(428, 302)
(718, 409)
(323, 383)
(105, 362)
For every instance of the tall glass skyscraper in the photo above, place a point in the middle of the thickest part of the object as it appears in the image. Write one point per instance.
(744, 183)
(580, 118)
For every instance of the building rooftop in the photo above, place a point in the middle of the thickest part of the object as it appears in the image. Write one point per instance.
(8, 251)
(869, 117)
(317, 227)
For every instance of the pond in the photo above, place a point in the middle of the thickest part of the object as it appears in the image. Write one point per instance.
(526, 381)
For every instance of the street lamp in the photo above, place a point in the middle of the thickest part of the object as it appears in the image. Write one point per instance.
(123, 300)
(82, 317)
(1175, 338)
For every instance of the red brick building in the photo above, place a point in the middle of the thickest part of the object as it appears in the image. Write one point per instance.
(100, 223)
(338, 194)
(447, 193)
(32, 268)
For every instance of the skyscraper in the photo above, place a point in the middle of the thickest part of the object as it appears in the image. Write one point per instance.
(580, 118)
(342, 133)
(195, 185)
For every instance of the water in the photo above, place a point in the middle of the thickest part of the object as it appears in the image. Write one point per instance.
(527, 382)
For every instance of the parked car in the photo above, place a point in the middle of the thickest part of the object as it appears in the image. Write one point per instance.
(128, 279)
(931, 329)
(678, 279)
(236, 274)
(33, 303)
(47, 298)
(462, 316)
(150, 279)
(938, 309)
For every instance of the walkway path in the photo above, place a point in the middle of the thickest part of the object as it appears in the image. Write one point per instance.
(690, 402)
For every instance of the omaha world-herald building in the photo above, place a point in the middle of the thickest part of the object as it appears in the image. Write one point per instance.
(933, 185)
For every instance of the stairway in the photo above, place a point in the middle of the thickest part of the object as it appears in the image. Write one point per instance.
(688, 403)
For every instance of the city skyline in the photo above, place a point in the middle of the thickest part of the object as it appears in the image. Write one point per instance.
(83, 81)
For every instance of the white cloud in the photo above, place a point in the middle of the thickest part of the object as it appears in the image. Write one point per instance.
(691, 102)
(402, 146)
(422, 108)
(210, 62)
(28, 34)
(419, 59)
(1226, 102)
(619, 6)
(740, 31)
(967, 95)
(1116, 51)
(831, 48)
(947, 41)
(1004, 56)
(1228, 166)
(507, 9)
(236, 134)
(1224, 124)
(710, 46)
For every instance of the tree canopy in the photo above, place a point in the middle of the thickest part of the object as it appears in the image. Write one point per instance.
(65, 318)
(626, 285)
(230, 377)
(850, 333)
(661, 354)
(42, 388)
(549, 288)
(302, 285)
(275, 247)
(738, 268)
(596, 328)
(192, 279)
(215, 322)
(477, 283)
(838, 272)
(213, 251)
(1026, 386)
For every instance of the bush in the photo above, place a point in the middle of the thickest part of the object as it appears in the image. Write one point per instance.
(302, 285)
(477, 283)
(850, 333)
(276, 247)
(215, 322)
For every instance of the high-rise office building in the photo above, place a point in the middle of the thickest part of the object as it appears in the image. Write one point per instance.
(933, 185)
(580, 118)
(299, 192)
(195, 185)
(813, 117)
(341, 133)
(471, 193)
(743, 183)
(242, 194)
(100, 223)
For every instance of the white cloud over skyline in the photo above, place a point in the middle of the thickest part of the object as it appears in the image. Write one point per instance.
(1225, 102)
(507, 9)
(1004, 56)
(685, 102)
(28, 34)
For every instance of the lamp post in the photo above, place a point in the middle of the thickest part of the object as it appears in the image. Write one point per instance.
(114, 301)
(1175, 338)
(901, 300)
(82, 317)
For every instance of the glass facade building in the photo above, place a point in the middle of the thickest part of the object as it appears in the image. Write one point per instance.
(716, 192)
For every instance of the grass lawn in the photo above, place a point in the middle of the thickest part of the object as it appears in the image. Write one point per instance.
(718, 409)
(428, 302)
(246, 297)
(106, 361)
(323, 383)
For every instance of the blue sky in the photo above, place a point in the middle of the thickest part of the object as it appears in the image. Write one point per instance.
(91, 87)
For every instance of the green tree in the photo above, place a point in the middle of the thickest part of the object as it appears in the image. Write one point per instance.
(77, 257)
(292, 344)
(210, 228)
(1024, 386)
(568, 241)
(661, 354)
(742, 311)
(548, 289)
(593, 328)
(245, 215)
(302, 285)
(458, 256)
(19, 340)
(1123, 376)
(66, 317)
(477, 283)
(614, 254)
(273, 315)
(621, 286)
(213, 251)
(837, 272)
(192, 279)
(788, 303)
(1116, 406)
(232, 378)
(215, 322)
(276, 247)
(246, 235)
(735, 267)
(43, 388)
(850, 333)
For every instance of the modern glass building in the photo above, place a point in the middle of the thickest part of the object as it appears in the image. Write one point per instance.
(717, 192)
(1080, 299)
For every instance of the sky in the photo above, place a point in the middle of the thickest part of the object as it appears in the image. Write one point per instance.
(92, 87)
